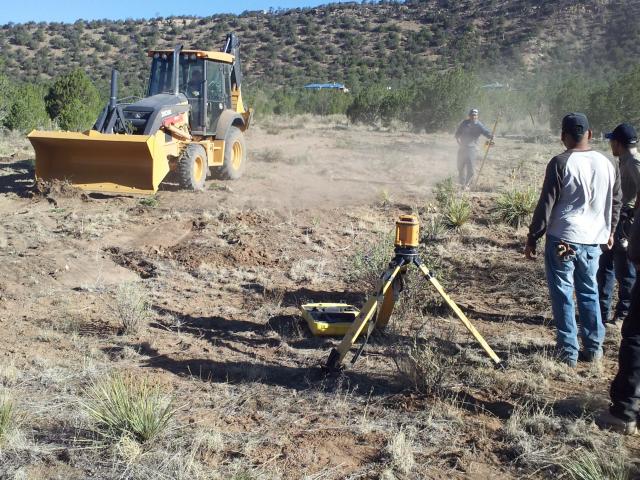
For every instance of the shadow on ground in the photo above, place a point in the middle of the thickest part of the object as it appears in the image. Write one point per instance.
(17, 177)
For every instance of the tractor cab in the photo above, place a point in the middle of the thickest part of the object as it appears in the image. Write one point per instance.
(205, 80)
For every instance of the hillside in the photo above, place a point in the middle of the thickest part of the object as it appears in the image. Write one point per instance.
(354, 43)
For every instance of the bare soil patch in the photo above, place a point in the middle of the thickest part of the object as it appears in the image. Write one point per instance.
(224, 272)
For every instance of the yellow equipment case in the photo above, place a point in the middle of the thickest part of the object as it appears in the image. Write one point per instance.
(329, 319)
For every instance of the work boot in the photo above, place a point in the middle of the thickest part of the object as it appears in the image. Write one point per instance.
(607, 421)
(590, 356)
(570, 362)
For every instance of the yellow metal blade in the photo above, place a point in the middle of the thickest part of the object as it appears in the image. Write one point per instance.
(102, 162)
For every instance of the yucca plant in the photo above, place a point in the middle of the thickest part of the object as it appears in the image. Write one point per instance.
(444, 191)
(434, 229)
(589, 465)
(515, 206)
(457, 212)
(122, 405)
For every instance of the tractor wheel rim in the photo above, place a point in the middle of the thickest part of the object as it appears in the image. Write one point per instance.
(198, 168)
(236, 155)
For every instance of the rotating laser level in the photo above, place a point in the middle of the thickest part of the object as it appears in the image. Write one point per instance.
(379, 307)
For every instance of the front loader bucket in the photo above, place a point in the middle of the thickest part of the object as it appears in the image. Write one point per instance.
(102, 162)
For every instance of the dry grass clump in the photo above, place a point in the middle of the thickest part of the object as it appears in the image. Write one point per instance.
(593, 465)
(400, 451)
(426, 367)
(307, 270)
(269, 155)
(433, 229)
(131, 307)
(9, 374)
(368, 262)
(7, 417)
(124, 406)
(540, 439)
(515, 206)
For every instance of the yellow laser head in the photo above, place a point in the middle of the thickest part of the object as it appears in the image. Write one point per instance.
(407, 231)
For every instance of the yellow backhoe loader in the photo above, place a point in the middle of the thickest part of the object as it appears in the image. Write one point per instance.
(191, 124)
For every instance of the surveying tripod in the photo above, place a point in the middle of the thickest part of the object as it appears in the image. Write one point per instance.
(379, 307)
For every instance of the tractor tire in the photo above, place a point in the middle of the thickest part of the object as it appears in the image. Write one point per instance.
(192, 167)
(235, 156)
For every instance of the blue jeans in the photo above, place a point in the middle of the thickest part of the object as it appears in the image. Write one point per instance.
(615, 265)
(577, 272)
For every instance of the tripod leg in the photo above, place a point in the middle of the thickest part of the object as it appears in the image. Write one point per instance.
(336, 357)
(463, 318)
(390, 298)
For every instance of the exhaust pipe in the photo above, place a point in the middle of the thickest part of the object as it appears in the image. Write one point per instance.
(103, 123)
(113, 98)
(176, 71)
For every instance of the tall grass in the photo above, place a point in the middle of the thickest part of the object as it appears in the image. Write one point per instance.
(7, 417)
(123, 406)
(131, 307)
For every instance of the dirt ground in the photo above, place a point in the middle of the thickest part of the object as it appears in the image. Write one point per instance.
(225, 271)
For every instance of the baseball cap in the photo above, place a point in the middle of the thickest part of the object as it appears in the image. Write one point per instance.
(575, 124)
(624, 133)
(473, 111)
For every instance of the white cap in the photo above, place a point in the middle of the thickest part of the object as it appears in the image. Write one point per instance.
(473, 111)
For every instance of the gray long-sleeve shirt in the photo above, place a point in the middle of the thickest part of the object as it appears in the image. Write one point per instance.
(469, 131)
(580, 199)
(630, 177)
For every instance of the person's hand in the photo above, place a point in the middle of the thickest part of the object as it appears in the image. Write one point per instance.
(530, 252)
(605, 247)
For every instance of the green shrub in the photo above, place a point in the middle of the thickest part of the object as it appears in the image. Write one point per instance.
(515, 206)
(572, 96)
(27, 110)
(378, 104)
(73, 101)
(123, 406)
(6, 97)
(441, 98)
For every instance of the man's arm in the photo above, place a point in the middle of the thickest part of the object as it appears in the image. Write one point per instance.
(459, 132)
(616, 201)
(634, 173)
(549, 195)
(485, 131)
(633, 250)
